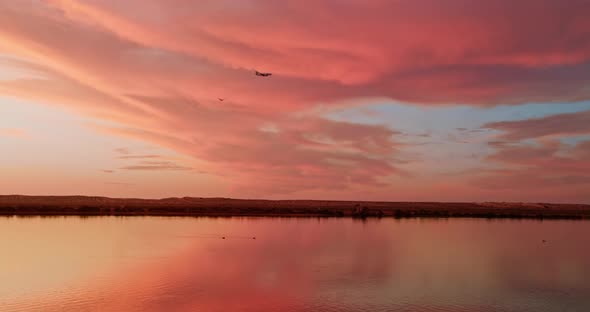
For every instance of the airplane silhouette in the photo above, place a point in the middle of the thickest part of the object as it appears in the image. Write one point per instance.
(263, 74)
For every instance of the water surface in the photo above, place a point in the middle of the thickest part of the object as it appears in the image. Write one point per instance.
(184, 264)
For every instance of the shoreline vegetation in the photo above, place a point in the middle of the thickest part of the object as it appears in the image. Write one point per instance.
(19, 205)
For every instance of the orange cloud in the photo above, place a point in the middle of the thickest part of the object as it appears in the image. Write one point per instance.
(11, 132)
(156, 165)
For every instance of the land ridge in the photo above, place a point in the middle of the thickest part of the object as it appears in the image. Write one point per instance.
(20, 205)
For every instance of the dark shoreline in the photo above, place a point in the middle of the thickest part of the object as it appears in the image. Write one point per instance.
(17, 205)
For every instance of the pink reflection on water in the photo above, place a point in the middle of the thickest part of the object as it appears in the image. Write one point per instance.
(182, 264)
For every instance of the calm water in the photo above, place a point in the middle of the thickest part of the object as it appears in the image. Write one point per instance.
(183, 264)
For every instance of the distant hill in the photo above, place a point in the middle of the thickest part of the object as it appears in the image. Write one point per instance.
(190, 206)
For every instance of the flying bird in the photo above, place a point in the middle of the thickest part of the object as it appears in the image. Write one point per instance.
(220, 99)
(263, 74)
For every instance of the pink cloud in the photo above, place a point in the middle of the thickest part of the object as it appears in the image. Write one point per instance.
(555, 125)
(559, 169)
(459, 51)
(303, 153)
(156, 70)
(546, 163)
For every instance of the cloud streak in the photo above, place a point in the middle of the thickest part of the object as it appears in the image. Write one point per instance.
(139, 156)
(156, 166)
(555, 125)
(14, 133)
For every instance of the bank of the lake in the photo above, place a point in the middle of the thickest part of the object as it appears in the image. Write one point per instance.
(19, 205)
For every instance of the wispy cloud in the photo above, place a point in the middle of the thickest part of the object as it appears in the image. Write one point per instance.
(139, 156)
(122, 150)
(120, 183)
(554, 125)
(15, 133)
(156, 166)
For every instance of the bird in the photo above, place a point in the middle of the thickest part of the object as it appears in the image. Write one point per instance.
(221, 99)
(223, 237)
(544, 241)
(262, 74)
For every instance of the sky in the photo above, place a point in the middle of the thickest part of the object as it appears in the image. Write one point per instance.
(411, 100)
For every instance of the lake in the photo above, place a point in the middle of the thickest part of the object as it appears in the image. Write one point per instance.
(293, 264)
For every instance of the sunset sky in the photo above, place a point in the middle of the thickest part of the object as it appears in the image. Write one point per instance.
(417, 100)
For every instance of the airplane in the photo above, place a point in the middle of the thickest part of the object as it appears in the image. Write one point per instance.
(263, 74)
